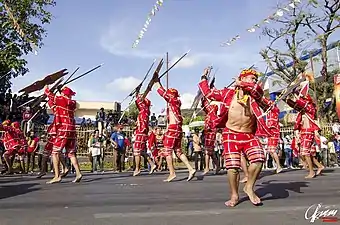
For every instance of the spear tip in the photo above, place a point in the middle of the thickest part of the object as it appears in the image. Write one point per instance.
(188, 51)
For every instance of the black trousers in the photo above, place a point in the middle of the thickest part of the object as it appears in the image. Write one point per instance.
(30, 161)
(198, 157)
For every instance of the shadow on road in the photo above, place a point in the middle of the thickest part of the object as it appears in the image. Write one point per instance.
(4, 180)
(327, 171)
(277, 190)
(272, 172)
(15, 190)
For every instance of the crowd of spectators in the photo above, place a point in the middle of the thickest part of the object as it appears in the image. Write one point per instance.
(11, 109)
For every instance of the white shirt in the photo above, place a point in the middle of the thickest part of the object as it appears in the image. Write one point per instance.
(324, 142)
(331, 147)
(336, 128)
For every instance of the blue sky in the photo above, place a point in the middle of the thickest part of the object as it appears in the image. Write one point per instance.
(86, 34)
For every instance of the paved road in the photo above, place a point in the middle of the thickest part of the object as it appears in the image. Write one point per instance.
(105, 199)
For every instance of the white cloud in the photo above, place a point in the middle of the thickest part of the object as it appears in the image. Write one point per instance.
(187, 100)
(118, 39)
(186, 62)
(124, 83)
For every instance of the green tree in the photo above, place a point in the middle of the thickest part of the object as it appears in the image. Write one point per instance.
(315, 21)
(325, 91)
(187, 119)
(132, 112)
(22, 27)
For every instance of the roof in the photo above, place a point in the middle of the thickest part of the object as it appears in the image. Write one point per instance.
(310, 55)
(78, 120)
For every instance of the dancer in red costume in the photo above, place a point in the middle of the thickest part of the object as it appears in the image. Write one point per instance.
(141, 134)
(32, 142)
(156, 145)
(242, 119)
(210, 134)
(52, 134)
(22, 148)
(305, 129)
(10, 142)
(65, 131)
(273, 140)
(173, 135)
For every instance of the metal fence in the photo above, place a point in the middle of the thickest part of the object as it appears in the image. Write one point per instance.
(84, 133)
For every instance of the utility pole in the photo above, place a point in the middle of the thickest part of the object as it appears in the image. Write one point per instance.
(167, 81)
(167, 73)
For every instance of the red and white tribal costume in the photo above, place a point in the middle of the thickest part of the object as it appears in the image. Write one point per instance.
(173, 134)
(64, 108)
(32, 144)
(142, 130)
(273, 124)
(51, 132)
(295, 148)
(156, 144)
(306, 108)
(20, 139)
(9, 138)
(237, 142)
(209, 126)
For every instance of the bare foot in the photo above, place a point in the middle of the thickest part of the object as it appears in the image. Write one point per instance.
(244, 180)
(40, 175)
(191, 175)
(232, 202)
(252, 196)
(136, 173)
(54, 180)
(279, 170)
(170, 178)
(218, 169)
(153, 169)
(78, 179)
(310, 175)
(65, 173)
(205, 172)
(318, 172)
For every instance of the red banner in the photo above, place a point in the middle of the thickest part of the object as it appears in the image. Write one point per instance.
(337, 93)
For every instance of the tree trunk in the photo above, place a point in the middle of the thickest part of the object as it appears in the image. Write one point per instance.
(324, 60)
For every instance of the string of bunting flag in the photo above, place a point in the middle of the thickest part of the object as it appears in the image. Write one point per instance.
(152, 13)
(279, 13)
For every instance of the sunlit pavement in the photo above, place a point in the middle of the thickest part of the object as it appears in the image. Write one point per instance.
(122, 199)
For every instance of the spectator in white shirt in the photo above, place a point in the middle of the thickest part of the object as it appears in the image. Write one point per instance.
(288, 151)
(95, 148)
(324, 150)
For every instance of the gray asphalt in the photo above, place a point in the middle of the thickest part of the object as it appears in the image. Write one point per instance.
(146, 200)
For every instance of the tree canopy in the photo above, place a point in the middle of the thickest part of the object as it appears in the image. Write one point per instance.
(22, 30)
(308, 25)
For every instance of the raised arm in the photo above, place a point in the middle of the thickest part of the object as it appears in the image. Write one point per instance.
(138, 102)
(211, 94)
(302, 104)
(265, 103)
(49, 94)
(254, 89)
(162, 92)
